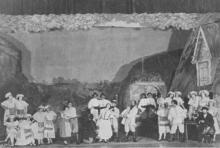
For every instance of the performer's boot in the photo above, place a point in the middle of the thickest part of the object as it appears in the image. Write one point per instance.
(113, 137)
(77, 138)
(127, 137)
(134, 136)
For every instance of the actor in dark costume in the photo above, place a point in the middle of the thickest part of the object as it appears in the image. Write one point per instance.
(205, 124)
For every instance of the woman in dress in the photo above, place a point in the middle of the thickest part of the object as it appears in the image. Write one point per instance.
(21, 106)
(104, 124)
(214, 112)
(9, 105)
(39, 116)
(65, 128)
(49, 130)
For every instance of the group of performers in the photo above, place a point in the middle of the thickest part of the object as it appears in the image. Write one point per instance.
(24, 129)
(102, 120)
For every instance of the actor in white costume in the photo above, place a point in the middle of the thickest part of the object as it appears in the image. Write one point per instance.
(73, 121)
(11, 128)
(21, 106)
(39, 116)
(49, 129)
(9, 105)
(176, 117)
(115, 116)
(145, 101)
(129, 116)
(104, 124)
(96, 105)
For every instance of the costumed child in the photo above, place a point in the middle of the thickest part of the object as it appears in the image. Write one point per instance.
(204, 100)
(11, 128)
(49, 129)
(193, 104)
(35, 130)
(39, 116)
(163, 122)
(115, 115)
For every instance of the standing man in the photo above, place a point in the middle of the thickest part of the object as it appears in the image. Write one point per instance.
(115, 116)
(73, 121)
(176, 117)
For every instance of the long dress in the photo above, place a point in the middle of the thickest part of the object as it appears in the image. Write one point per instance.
(214, 112)
(25, 134)
(49, 130)
(10, 107)
(104, 124)
(65, 128)
(40, 118)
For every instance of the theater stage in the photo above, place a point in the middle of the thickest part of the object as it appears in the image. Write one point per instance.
(142, 142)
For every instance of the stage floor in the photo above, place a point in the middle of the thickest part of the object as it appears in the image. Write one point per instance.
(142, 142)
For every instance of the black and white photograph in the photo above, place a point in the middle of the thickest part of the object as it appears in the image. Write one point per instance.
(109, 73)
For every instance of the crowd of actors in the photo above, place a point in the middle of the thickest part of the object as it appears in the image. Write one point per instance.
(102, 121)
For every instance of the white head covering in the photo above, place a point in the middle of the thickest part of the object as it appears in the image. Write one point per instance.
(204, 92)
(8, 94)
(178, 93)
(19, 95)
(171, 93)
(193, 93)
(28, 115)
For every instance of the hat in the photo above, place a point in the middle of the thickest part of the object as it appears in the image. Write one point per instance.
(28, 115)
(171, 93)
(114, 101)
(19, 95)
(204, 92)
(205, 107)
(40, 107)
(178, 93)
(8, 94)
(193, 93)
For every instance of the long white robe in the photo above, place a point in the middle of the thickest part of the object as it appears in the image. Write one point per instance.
(10, 107)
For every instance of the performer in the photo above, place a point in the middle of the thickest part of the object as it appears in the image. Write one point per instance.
(25, 133)
(145, 101)
(49, 130)
(65, 128)
(193, 103)
(163, 122)
(39, 116)
(214, 112)
(204, 101)
(35, 130)
(206, 123)
(129, 120)
(160, 100)
(96, 104)
(73, 121)
(115, 115)
(179, 99)
(176, 117)
(9, 105)
(21, 106)
(11, 128)
(169, 98)
(104, 124)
